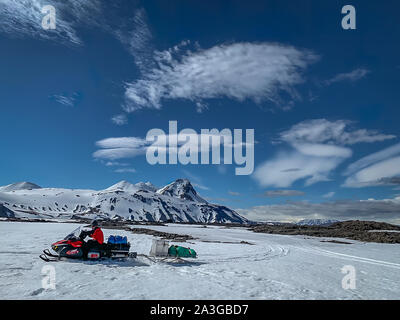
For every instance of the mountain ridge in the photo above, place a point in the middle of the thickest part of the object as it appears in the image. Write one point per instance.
(176, 202)
(24, 185)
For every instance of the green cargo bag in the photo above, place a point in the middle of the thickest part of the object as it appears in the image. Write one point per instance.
(182, 252)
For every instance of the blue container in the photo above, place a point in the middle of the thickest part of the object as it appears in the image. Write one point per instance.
(117, 240)
(111, 239)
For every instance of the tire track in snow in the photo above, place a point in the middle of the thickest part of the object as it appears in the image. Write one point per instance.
(261, 253)
(338, 255)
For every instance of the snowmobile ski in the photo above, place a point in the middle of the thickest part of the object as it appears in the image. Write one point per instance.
(48, 259)
(49, 254)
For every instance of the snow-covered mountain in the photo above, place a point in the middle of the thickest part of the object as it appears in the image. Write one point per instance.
(146, 186)
(181, 189)
(19, 186)
(316, 222)
(5, 212)
(176, 202)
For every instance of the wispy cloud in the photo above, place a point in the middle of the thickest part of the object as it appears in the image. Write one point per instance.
(201, 106)
(376, 169)
(329, 194)
(317, 148)
(68, 100)
(283, 193)
(129, 147)
(135, 34)
(234, 193)
(216, 200)
(23, 18)
(125, 170)
(195, 179)
(120, 119)
(115, 163)
(239, 71)
(352, 76)
(373, 158)
(330, 132)
(200, 186)
(386, 172)
(314, 168)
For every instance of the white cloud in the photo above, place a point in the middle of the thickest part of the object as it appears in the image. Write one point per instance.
(195, 180)
(239, 71)
(122, 142)
(317, 149)
(118, 153)
(352, 76)
(125, 170)
(119, 148)
(377, 210)
(330, 132)
(120, 119)
(129, 147)
(22, 18)
(64, 99)
(136, 36)
(329, 194)
(200, 107)
(373, 158)
(115, 163)
(283, 193)
(234, 193)
(379, 168)
(279, 171)
(200, 186)
(385, 172)
(322, 150)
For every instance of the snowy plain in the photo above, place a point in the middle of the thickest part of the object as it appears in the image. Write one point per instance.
(265, 267)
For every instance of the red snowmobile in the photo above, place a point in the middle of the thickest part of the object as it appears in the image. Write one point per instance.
(73, 247)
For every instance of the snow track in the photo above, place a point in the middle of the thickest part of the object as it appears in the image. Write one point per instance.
(327, 253)
(258, 253)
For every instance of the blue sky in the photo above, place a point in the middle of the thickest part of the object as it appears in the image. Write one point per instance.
(323, 101)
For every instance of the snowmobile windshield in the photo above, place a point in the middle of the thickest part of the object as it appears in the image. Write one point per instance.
(74, 234)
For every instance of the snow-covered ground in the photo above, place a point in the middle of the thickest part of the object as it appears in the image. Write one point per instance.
(271, 267)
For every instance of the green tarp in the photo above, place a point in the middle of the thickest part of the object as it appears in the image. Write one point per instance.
(178, 251)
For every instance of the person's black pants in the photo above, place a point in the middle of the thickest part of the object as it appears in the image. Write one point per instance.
(90, 244)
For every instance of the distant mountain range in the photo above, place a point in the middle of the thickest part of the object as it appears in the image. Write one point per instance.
(316, 222)
(176, 202)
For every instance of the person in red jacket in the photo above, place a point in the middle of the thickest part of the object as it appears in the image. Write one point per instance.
(97, 233)
(97, 237)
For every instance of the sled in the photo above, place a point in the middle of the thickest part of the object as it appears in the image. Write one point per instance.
(162, 252)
